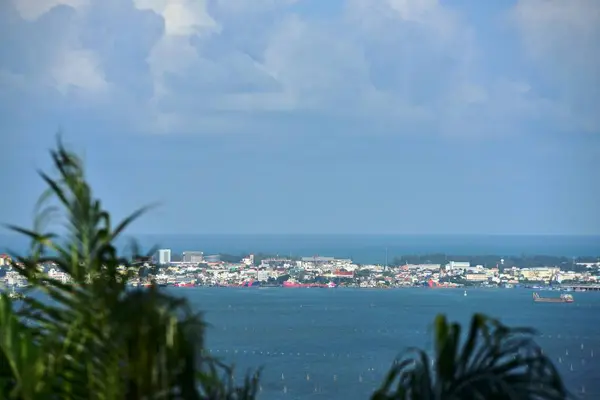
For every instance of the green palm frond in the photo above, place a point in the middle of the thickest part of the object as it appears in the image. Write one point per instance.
(92, 338)
(494, 362)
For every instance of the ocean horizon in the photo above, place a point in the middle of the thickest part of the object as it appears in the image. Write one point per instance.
(361, 248)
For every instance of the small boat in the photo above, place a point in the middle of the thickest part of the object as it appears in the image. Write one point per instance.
(465, 292)
(563, 298)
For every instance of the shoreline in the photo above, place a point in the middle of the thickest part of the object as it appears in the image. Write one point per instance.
(564, 288)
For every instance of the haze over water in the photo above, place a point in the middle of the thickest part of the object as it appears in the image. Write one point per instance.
(338, 343)
(361, 248)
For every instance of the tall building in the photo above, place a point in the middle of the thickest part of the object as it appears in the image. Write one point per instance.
(195, 257)
(164, 256)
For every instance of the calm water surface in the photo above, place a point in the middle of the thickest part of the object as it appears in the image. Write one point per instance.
(338, 343)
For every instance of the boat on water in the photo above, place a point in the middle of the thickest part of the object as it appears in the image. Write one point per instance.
(465, 292)
(563, 298)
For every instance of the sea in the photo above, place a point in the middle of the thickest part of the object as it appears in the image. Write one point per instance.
(339, 343)
(360, 248)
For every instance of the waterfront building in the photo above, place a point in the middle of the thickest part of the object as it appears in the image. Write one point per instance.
(543, 273)
(194, 257)
(476, 277)
(164, 256)
(454, 265)
(263, 276)
(430, 267)
(318, 259)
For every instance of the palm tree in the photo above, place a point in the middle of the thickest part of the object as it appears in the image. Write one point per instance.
(92, 338)
(494, 362)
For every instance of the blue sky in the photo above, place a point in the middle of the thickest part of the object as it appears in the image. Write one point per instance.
(311, 116)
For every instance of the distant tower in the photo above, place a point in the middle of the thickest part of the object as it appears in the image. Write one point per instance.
(164, 256)
(386, 258)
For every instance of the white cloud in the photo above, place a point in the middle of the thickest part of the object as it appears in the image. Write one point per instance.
(552, 26)
(176, 64)
(33, 9)
(79, 69)
(181, 17)
(245, 7)
(562, 39)
(174, 52)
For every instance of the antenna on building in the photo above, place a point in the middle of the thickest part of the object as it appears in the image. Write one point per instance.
(386, 258)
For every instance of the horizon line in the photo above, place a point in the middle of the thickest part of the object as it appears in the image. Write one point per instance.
(358, 234)
(8, 233)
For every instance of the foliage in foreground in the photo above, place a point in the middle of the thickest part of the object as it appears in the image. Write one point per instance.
(94, 339)
(494, 362)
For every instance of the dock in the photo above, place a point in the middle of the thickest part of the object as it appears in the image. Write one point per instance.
(590, 287)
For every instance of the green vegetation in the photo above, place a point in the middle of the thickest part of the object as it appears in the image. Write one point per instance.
(94, 339)
(495, 362)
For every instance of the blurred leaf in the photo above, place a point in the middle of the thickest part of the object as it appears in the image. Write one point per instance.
(495, 362)
(92, 338)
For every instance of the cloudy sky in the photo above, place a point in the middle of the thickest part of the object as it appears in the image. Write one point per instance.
(311, 116)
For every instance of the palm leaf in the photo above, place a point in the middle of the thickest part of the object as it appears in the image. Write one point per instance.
(92, 338)
(494, 362)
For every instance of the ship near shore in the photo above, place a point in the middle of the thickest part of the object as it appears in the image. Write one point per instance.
(563, 298)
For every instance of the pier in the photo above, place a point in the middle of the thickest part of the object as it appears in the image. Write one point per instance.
(583, 287)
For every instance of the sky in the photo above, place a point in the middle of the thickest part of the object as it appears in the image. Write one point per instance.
(310, 116)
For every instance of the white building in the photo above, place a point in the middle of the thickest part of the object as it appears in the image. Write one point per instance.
(263, 276)
(164, 256)
(453, 265)
(430, 267)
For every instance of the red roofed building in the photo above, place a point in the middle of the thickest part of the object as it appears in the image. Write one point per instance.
(343, 274)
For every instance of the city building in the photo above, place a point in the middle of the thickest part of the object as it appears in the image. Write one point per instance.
(476, 277)
(164, 256)
(430, 267)
(194, 257)
(454, 265)
(318, 259)
(263, 276)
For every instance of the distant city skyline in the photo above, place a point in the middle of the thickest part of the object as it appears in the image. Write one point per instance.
(310, 116)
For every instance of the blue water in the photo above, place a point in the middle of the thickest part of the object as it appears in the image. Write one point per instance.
(362, 248)
(338, 343)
